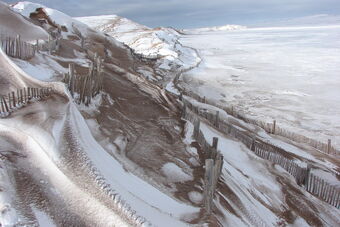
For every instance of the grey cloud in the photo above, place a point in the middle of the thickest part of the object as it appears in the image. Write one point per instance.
(196, 13)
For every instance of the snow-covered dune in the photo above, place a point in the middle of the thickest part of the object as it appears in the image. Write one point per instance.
(160, 44)
(13, 24)
(26, 8)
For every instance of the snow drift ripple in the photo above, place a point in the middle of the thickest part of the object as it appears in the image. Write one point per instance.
(122, 206)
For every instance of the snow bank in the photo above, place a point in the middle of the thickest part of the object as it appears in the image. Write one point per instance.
(174, 173)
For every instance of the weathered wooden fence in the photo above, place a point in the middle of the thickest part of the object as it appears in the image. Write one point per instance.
(84, 87)
(16, 48)
(213, 161)
(51, 45)
(262, 149)
(272, 127)
(15, 100)
(323, 190)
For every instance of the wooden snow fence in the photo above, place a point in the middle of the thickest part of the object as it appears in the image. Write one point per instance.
(272, 127)
(84, 87)
(302, 175)
(213, 161)
(51, 45)
(14, 100)
(16, 48)
(323, 190)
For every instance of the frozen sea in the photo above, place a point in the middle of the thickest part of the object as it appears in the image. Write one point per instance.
(291, 74)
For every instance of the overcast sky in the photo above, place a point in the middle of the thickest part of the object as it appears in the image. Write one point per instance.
(196, 13)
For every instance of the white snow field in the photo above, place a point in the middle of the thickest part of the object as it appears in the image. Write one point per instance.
(290, 74)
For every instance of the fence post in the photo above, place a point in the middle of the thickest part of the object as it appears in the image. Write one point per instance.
(82, 94)
(9, 101)
(82, 42)
(21, 97)
(217, 119)
(306, 179)
(13, 97)
(37, 45)
(18, 97)
(25, 95)
(215, 142)
(71, 81)
(197, 128)
(208, 195)
(184, 111)
(329, 146)
(18, 49)
(5, 104)
(49, 44)
(252, 147)
(2, 105)
(218, 167)
(274, 127)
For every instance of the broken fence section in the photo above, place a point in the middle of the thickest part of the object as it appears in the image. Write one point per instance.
(213, 161)
(84, 87)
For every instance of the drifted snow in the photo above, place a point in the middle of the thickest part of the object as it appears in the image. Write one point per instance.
(174, 173)
(42, 218)
(41, 67)
(8, 215)
(148, 201)
(195, 197)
